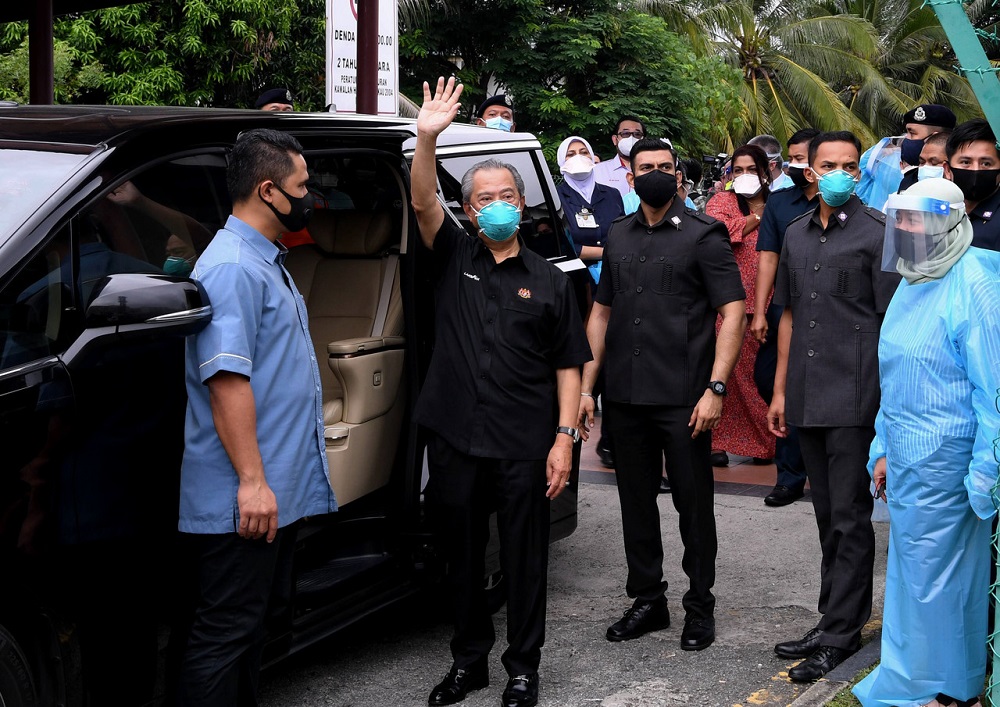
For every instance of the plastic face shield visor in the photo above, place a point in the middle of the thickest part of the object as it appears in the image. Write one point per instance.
(916, 229)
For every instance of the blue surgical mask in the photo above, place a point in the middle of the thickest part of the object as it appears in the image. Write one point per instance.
(175, 265)
(929, 171)
(499, 123)
(499, 220)
(836, 187)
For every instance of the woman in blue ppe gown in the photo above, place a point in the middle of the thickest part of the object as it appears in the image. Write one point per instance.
(939, 365)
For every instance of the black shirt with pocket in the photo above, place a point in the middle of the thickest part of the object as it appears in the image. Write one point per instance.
(501, 332)
(664, 284)
(985, 219)
(832, 280)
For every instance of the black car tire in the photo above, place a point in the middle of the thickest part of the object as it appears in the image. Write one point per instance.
(16, 688)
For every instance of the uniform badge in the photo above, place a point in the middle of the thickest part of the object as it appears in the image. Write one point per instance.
(288, 95)
(675, 220)
(524, 293)
(842, 216)
(920, 114)
(507, 101)
(987, 214)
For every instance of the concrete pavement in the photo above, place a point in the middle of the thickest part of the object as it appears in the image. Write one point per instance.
(767, 585)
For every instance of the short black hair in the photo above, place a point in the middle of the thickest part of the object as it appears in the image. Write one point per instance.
(649, 144)
(803, 135)
(634, 119)
(833, 136)
(694, 169)
(975, 130)
(259, 155)
(939, 138)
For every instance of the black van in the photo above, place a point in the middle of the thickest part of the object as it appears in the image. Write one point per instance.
(100, 209)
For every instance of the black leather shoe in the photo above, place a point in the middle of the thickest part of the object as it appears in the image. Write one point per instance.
(606, 457)
(782, 496)
(458, 683)
(698, 634)
(719, 459)
(801, 648)
(643, 617)
(825, 659)
(664, 484)
(521, 691)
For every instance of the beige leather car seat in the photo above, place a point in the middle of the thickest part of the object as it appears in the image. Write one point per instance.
(350, 282)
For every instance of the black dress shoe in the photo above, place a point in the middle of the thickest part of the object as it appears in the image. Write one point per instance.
(801, 648)
(606, 457)
(664, 484)
(782, 496)
(521, 691)
(719, 459)
(825, 659)
(698, 634)
(458, 683)
(643, 617)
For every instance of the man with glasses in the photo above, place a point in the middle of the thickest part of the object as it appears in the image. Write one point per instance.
(614, 172)
(668, 274)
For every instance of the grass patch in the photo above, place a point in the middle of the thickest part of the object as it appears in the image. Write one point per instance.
(844, 698)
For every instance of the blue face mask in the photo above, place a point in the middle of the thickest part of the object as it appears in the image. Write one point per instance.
(836, 187)
(929, 172)
(499, 220)
(909, 151)
(499, 123)
(175, 265)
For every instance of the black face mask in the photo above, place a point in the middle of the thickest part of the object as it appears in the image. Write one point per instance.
(913, 246)
(798, 177)
(301, 210)
(656, 188)
(976, 184)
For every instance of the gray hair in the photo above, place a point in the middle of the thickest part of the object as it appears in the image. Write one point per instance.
(489, 164)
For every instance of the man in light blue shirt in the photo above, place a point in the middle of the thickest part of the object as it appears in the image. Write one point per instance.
(254, 458)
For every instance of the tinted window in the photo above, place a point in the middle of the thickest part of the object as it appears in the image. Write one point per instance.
(27, 178)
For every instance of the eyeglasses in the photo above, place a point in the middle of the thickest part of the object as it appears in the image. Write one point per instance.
(637, 134)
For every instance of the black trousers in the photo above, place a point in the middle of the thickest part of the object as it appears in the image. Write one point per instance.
(644, 435)
(836, 461)
(462, 491)
(240, 584)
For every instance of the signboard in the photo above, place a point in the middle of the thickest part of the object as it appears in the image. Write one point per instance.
(342, 55)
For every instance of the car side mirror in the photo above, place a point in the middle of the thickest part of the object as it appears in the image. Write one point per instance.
(130, 306)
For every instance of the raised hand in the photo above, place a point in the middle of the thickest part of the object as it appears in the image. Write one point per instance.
(438, 111)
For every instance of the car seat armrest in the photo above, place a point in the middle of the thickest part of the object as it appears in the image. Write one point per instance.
(363, 344)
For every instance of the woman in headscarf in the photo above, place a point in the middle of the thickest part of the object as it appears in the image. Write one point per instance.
(933, 454)
(743, 427)
(589, 207)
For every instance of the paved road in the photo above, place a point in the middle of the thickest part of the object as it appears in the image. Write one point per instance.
(768, 580)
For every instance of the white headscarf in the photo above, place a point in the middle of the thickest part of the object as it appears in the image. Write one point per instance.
(956, 240)
(585, 187)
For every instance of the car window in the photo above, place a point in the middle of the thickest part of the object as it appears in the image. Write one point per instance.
(27, 179)
(537, 220)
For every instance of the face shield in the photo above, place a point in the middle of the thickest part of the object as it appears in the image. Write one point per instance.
(918, 230)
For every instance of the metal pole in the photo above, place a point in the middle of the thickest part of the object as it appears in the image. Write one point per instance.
(40, 54)
(368, 56)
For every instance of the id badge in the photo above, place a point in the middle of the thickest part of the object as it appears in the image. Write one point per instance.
(585, 219)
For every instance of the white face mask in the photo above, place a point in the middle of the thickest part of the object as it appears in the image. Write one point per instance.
(625, 146)
(747, 184)
(929, 171)
(578, 167)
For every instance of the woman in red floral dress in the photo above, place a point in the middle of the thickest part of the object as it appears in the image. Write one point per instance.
(742, 429)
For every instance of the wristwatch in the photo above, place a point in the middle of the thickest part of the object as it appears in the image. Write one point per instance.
(717, 387)
(571, 431)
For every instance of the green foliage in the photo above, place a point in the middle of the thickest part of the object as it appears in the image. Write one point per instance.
(71, 76)
(574, 68)
(193, 52)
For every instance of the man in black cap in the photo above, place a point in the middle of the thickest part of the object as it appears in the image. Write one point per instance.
(278, 100)
(882, 172)
(496, 112)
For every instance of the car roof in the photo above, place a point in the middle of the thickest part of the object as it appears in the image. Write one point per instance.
(95, 125)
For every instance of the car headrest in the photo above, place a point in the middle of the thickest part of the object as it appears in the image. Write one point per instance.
(343, 232)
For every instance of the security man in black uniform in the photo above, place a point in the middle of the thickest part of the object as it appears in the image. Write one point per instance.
(831, 283)
(974, 165)
(500, 402)
(667, 273)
